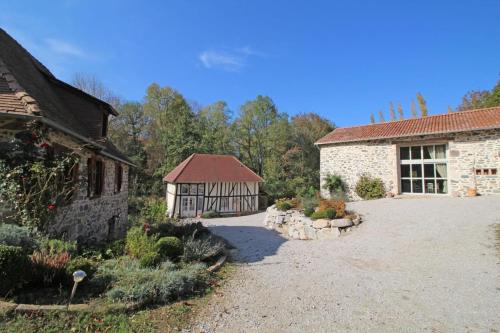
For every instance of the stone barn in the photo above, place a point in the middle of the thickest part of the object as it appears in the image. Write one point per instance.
(205, 182)
(445, 154)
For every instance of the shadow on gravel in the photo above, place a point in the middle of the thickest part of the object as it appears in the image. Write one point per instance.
(253, 243)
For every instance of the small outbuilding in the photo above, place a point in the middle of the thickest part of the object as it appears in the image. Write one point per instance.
(448, 154)
(205, 182)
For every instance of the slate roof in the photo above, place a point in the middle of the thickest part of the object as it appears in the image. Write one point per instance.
(28, 88)
(211, 168)
(480, 119)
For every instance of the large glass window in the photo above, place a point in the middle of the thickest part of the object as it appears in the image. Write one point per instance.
(423, 169)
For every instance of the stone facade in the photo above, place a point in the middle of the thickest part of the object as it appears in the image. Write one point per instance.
(89, 220)
(466, 152)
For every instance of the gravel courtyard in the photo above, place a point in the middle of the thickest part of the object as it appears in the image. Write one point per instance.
(414, 265)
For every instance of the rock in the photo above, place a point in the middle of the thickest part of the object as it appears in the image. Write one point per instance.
(341, 223)
(356, 220)
(310, 232)
(347, 229)
(280, 219)
(321, 223)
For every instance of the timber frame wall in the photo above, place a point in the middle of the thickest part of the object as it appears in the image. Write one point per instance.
(222, 197)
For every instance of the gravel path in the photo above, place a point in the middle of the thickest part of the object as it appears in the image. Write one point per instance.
(414, 265)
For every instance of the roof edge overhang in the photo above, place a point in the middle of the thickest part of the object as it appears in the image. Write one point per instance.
(72, 133)
(317, 143)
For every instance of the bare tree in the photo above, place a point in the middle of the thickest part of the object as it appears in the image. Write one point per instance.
(400, 112)
(381, 116)
(392, 114)
(413, 109)
(372, 118)
(93, 86)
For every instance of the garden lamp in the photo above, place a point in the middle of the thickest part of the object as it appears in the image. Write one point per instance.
(78, 277)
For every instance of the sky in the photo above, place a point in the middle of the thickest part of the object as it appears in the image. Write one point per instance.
(340, 59)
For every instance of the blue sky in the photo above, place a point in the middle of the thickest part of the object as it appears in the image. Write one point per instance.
(341, 59)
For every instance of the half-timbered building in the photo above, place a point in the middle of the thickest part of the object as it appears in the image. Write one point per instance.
(219, 183)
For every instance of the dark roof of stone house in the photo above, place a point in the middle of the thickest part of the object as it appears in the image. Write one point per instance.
(211, 168)
(480, 119)
(28, 88)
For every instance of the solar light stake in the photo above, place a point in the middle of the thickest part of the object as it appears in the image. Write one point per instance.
(78, 277)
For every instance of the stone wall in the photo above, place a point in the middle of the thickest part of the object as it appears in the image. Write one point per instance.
(89, 220)
(466, 151)
(294, 224)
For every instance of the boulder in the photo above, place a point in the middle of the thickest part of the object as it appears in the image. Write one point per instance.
(356, 220)
(311, 232)
(280, 219)
(341, 223)
(321, 223)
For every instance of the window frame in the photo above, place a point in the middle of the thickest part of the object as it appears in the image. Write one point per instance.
(95, 177)
(118, 177)
(422, 162)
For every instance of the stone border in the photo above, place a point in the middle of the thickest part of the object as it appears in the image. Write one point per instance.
(296, 225)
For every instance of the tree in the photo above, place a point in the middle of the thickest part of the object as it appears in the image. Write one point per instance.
(413, 109)
(392, 114)
(92, 85)
(172, 130)
(372, 118)
(422, 104)
(473, 100)
(494, 97)
(450, 110)
(381, 116)
(400, 112)
(215, 129)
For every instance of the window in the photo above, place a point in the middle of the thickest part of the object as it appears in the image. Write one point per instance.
(184, 204)
(192, 189)
(184, 189)
(423, 169)
(104, 128)
(118, 177)
(200, 203)
(201, 189)
(95, 178)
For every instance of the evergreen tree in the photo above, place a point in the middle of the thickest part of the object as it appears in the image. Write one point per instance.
(422, 105)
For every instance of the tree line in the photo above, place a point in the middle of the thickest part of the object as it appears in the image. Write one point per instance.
(163, 129)
(474, 99)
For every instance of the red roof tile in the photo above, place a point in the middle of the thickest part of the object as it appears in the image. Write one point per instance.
(211, 168)
(479, 119)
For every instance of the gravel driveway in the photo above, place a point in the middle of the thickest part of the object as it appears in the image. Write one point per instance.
(414, 265)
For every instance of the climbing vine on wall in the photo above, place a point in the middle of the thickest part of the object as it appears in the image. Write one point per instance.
(36, 177)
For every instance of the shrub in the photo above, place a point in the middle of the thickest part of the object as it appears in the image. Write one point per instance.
(139, 244)
(368, 187)
(155, 209)
(87, 265)
(49, 269)
(180, 231)
(330, 213)
(210, 214)
(337, 205)
(56, 246)
(318, 215)
(334, 185)
(159, 285)
(309, 203)
(308, 211)
(202, 249)
(14, 235)
(14, 265)
(285, 204)
(169, 247)
(150, 259)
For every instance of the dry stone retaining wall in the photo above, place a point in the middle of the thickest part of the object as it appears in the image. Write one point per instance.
(294, 224)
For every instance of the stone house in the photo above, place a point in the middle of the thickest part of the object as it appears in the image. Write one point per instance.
(76, 121)
(445, 154)
(205, 182)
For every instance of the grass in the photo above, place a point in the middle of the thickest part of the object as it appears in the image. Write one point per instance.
(170, 318)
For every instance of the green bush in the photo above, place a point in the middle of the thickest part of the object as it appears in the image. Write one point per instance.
(180, 231)
(330, 213)
(334, 185)
(202, 249)
(169, 247)
(318, 215)
(87, 265)
(309, 203)
(14, 235)
(150, 259)
(368, 187)
(129, 282)
(210, 214)
(285, 204)
(155, 210)
(308, 212)
(57, 246)
(14, 268)
(139, 244)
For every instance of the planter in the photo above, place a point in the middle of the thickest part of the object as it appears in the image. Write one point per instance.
(472, 192)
